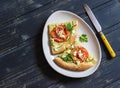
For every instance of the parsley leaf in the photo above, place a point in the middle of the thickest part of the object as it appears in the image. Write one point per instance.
(83, 38)
(68, 58)
(69, 27)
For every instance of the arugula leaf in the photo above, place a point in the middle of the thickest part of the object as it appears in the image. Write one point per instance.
(83, 38)
(68, 58)
(69, 27)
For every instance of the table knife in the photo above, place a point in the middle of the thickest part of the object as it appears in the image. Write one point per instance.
(99, 29)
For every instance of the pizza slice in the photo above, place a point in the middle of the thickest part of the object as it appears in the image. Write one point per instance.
(76, 58)
(62, 36)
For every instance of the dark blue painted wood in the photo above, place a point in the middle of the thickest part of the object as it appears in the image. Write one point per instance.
(22, 62)
(10, 10)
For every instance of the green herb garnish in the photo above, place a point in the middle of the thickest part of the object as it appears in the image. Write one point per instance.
(83, 38)
(69, 27)
(68, 58)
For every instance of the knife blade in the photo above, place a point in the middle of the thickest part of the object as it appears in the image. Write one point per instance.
(99, 29)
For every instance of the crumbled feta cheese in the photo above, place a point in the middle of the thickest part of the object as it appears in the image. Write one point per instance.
(68, 51)
(80, 54)
(78, 62)
(64, 55)
(75, 53)
(55, 49)
(72, 46)
(60, 33)
(73, 31)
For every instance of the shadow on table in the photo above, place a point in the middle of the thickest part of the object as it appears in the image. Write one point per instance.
(43, 64)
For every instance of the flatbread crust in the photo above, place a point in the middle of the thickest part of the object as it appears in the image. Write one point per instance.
(71, 66)
(66, 44)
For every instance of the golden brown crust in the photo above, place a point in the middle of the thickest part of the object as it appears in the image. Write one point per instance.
(71, 66)
(67, 44)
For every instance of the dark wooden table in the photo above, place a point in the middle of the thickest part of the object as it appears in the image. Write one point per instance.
(22, 62)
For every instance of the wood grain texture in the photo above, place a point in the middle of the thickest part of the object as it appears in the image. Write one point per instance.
(22, 62)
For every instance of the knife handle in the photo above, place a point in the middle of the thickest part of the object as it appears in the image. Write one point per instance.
(107, 44)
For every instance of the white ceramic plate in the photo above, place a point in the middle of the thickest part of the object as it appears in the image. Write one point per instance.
(92, 46)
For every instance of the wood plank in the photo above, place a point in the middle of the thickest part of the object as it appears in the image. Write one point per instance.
(115, 84)
(28, 77)
(110, 13)
(24, 70)
(10, 10)
(23, 7)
